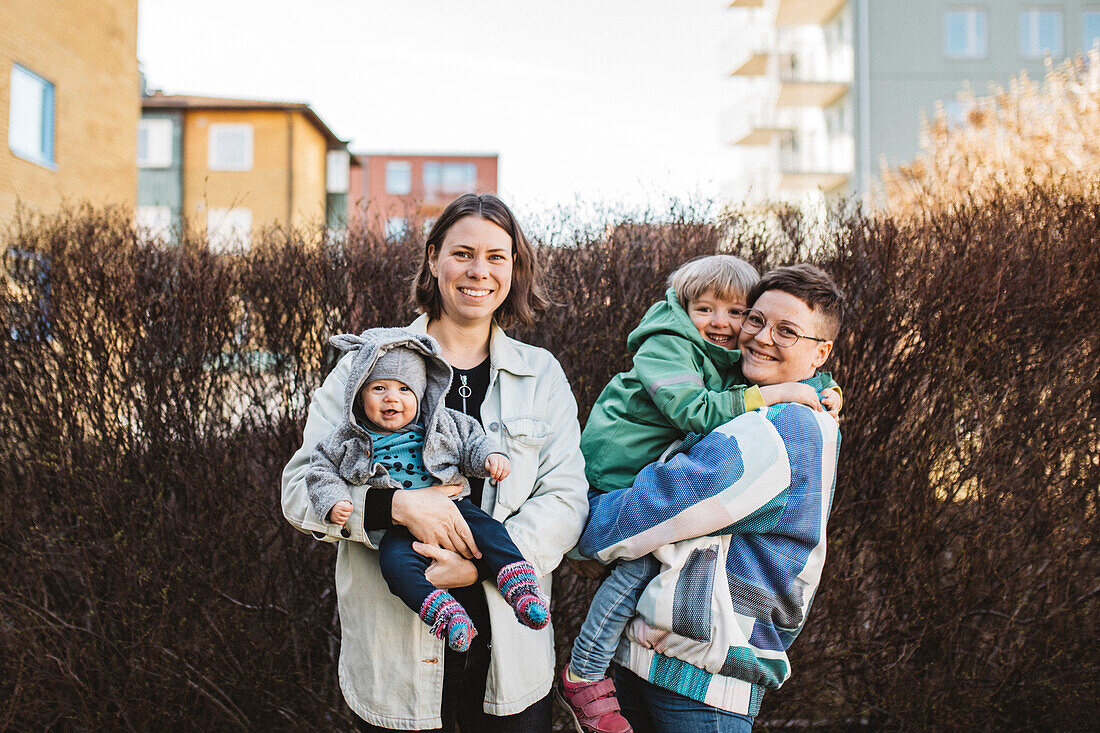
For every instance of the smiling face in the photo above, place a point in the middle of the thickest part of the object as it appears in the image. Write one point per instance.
(389, 404)
(763, 362)
(473, 268)
(718, 320)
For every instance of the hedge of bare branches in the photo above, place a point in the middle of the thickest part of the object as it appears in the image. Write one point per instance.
(152, 393)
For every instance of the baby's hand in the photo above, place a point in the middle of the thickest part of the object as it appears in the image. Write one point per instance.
(804, 394)
(341, 512)
(498, 466)
(833, 401)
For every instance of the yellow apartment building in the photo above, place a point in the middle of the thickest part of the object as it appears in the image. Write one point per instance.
(235, 165)
(69, 103)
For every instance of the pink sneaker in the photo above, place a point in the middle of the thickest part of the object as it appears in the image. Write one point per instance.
(592, 705)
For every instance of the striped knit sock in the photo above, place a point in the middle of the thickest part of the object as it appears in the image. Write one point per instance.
(448, 620)
(520, 587)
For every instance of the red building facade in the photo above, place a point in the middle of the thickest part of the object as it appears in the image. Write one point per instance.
(391, 192)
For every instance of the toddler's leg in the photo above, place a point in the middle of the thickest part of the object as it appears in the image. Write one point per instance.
(584, 687)
(612, 608)
(516, 578)
(403, 569)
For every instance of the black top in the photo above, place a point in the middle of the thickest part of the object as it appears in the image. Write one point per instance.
(467, 392)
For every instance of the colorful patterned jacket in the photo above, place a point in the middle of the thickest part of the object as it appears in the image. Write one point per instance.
(738, 523)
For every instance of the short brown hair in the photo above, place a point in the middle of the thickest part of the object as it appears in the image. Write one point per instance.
(812, 286)
(526, 298)
(728, 277)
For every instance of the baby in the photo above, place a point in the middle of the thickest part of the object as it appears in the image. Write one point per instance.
(397, 433)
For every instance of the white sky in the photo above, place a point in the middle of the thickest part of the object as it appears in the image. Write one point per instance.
(616, 101)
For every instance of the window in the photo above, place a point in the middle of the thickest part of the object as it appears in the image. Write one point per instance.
(955, 113)
(449, 178)
(1091, 23)
(337, 164)
(398, 177)
(396, 228)
(30, 126)
(155, 221)
(965, 34)
(155, 143)
(230, 147)
(26, 309)
(226, 228)
(1040, 33)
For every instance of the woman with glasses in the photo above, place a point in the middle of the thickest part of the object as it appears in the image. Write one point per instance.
(686, 379)
(736, 523)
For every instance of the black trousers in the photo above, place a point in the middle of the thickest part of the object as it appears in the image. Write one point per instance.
(464, 673)
(403, 568)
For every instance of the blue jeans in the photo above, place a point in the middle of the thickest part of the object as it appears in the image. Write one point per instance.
(653, 709)
(612, 608)
(403, 568)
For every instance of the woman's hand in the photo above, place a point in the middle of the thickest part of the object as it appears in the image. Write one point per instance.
(432, 517)
(833, 401)
(448, 569)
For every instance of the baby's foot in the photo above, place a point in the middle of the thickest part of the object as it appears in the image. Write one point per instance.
(448, 620)
(520, 587)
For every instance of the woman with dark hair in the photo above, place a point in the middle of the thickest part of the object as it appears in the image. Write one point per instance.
(478, 275)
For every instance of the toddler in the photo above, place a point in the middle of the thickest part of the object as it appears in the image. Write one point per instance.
(398, 433)
(685, 381)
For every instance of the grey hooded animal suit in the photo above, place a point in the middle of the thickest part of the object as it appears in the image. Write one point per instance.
(455, 445)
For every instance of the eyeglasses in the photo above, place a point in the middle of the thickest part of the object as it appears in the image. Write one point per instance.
(753, 322)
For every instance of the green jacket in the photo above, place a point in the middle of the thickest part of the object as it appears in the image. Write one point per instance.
(680, 383)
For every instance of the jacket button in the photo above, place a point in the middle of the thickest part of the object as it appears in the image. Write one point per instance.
(494, 426)
(345, 532)
(433, 660)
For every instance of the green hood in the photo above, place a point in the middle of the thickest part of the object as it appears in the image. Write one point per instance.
(669, 317)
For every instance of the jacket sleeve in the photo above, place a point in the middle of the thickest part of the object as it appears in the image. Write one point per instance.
(738, 473)
(324, 484)
(475, 445)
(550, 520)
(666, 369)
(326, 412)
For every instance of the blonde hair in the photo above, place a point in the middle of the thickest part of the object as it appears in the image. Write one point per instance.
(728, 277)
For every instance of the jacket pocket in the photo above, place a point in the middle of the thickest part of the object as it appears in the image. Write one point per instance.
(691, 603)
(522, 437)
(525, 430)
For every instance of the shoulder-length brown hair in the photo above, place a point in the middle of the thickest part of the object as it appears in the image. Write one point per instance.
(525, 300)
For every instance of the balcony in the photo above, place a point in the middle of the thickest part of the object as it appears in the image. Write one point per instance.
(825, 165)
(754, 128)
(755, 64)
(810, 93)
(817, 80)
(807, 12)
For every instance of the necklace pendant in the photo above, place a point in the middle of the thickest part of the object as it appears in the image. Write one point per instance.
(464, 391)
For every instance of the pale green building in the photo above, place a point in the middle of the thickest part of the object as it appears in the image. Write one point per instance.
(828, 90)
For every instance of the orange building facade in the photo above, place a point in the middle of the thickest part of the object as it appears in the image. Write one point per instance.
(69, 103)
(236, 165)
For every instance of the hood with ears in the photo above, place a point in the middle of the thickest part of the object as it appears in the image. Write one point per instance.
(372, 344)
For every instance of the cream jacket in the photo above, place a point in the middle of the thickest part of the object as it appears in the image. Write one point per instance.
(391, 667)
